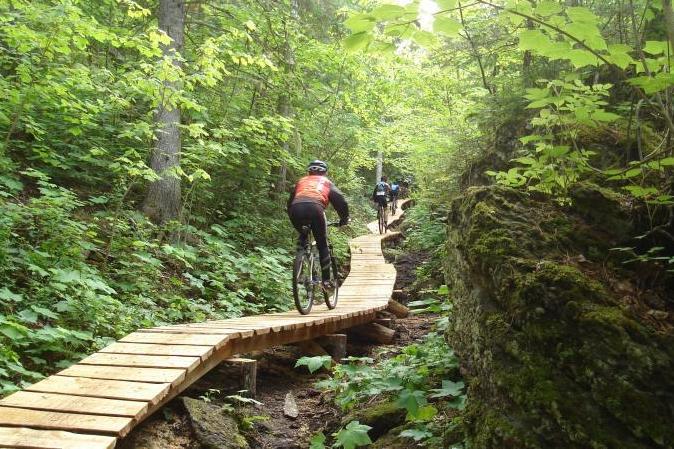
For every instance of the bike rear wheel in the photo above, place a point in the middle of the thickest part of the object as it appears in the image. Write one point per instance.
(332, 295)
(381, 217)
(304, 281)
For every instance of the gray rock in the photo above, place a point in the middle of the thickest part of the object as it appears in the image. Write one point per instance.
(213, 427)
(290, 406)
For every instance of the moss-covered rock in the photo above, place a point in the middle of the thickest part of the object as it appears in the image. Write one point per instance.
(213, 427)
(382, 417)
(393, 440)
(554, 358)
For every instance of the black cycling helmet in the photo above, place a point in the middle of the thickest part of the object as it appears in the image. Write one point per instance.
(317, 167)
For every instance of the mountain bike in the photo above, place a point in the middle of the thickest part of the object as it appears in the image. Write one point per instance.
(307, 275)
(394, 205)
(382, 218)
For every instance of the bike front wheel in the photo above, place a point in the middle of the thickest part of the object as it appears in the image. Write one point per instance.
(303, 282)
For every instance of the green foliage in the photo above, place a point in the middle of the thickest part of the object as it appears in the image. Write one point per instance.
(317, 441)
(409, 379)
(352, 436)
(313, 364)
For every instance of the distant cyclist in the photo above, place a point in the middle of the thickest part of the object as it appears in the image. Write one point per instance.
(306, 207)
(381, 192)
(395, 192)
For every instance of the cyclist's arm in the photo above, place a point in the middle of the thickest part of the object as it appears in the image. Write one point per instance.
(338, 201)
(291, 198)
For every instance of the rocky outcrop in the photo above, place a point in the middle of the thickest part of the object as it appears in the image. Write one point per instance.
(556, 347)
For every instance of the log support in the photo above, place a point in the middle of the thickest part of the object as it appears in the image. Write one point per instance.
(398, 309)
(335, 345)
(311, 348)
(248, 374)
(386, 322)
(373, 332)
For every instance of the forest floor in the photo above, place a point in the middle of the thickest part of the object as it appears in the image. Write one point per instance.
(268, 426)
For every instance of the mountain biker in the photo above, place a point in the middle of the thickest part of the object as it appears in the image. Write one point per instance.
(395, 191)
(381, 192)
(306, 207)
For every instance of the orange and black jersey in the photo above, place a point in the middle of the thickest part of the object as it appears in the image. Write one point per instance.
(319, 190)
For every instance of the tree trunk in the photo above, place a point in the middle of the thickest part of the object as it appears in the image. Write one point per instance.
(162, 203)
(669, 21)
(284, 110)
(380, 163)
(284, 100)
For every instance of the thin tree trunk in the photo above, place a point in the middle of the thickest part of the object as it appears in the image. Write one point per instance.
(476, 52)
(380, 164)
(162, 203)
(669, 20)
(284, 100)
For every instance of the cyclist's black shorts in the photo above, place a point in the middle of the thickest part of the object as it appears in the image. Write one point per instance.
(381, 200)
(313, 215)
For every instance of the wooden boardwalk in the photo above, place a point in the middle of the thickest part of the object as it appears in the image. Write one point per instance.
(99, 400)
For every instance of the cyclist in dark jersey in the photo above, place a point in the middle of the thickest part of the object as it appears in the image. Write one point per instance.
(395, 191)
(381, 192)
(306, 207)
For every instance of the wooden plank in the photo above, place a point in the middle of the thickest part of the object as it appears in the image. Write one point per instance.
(257, 330)
(176, 339)
(114, 425)
(74, 404)
(145, 361)
(151, 375)
(99, 388)
(158, 349)
(21, 437)
(231, 333)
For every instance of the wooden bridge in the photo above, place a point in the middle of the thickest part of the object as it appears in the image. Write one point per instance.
(99, 400)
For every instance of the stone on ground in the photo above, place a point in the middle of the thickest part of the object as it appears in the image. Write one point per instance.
(290, 406)
(213, 427)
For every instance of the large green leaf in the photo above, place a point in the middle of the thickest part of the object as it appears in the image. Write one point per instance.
(548, 8)
(388, 12)
(449, 388)
(447, 26)
(315, 363)
(619, 55)
(7, 295)
(655, 48)
(417, 434)
(317, 441)
(651, 85)
(12, 330)
(581, 58)
(411, 400)
(581, 14)
(353, 435)
(358, 41)
(603, 116)
(445, 5)
(424, 38)
(360, 22)
(532, 39)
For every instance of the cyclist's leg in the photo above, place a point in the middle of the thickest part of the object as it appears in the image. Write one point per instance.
(319, 227)
(300, 216)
